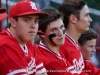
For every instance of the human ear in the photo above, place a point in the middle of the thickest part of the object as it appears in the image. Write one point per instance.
(73, 19)
(13, 22)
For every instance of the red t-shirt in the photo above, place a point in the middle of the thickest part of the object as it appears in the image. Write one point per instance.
(15, 60)
(55, 64)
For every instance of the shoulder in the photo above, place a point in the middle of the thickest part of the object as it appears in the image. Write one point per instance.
(6, 39)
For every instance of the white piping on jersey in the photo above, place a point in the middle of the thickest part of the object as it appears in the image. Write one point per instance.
(43, 46)
(72, 41)
(25, 50)
(78, 65)
(57, 55)
(9, 33)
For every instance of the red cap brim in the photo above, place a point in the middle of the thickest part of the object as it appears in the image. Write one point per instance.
(41, 14)
(40, 32)
(3, 16)
(2, 10)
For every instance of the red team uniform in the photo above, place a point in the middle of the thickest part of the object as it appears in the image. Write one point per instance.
(15, 60)
(55, 64)
(91, 69)
(73, 54)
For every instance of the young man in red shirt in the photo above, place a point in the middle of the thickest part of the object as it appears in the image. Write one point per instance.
(76, 21)
(17, 54)
(87, 42)
(51, 31)
(3, 15)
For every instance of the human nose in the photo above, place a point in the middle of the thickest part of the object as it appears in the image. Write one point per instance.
(94, 49)
(90, 19)
(33, 24)
(60, 32)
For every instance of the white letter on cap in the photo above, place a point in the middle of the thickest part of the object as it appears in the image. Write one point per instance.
(32, 4)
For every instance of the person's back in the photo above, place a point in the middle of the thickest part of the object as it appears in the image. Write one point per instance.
(76, 21)
(51, 31)
(17, 54)
(73, 54)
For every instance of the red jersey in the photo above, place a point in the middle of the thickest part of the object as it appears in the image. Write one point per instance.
(73, 54)
(15, 60)
(55, 64)
(91, 69)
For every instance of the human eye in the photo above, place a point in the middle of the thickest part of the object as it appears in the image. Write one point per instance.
(91, 46)
(62, 27)
(36, 21)
(87, 14)
(53, 30)
(27, 20)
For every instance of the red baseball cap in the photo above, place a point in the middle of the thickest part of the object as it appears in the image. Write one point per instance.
(3, 15)
(22, 8)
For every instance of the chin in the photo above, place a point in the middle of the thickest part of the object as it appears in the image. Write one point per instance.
(84, 30)
(60, 44)
(87, 29)
(85, 58)
(88, 58)
(30, 40)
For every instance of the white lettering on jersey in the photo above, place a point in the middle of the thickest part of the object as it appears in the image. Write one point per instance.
(32, 4)
(78, 66)
(29, 70)
(31, 66)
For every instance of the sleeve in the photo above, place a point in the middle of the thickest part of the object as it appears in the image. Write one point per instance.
(97, 71)
(11, 62)
(91, 69)
(39, 64)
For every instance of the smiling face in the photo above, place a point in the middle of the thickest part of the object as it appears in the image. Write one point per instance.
(83, 23)
(25, 28)
(55, 27)
(88, 49)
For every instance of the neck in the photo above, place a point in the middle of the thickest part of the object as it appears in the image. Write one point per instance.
(13, 33)
(51, 47)
(73, 34)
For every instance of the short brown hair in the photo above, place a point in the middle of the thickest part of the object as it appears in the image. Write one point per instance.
(88, 35)
(69, 7)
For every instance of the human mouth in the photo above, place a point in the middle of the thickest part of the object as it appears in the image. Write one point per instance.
(91, 54)
(32, 32)
(61, 39)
